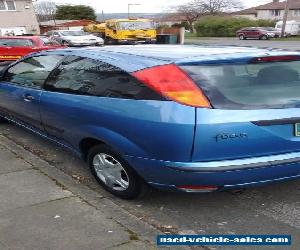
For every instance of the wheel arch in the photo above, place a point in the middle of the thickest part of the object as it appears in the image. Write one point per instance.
(99, 135)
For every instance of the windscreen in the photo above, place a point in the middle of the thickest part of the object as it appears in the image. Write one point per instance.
(12, 42)
(249, 86)
(47, 41)
(269, 28)
(135, 25)
(73, 33)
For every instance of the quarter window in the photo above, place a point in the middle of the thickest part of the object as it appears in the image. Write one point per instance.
(32, 72)
(84, 76)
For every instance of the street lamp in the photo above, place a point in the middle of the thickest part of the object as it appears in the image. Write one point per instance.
(131, 4)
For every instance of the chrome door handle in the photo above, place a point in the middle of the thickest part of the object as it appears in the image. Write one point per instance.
(28, 98)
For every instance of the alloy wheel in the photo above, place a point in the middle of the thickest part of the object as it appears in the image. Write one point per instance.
(111, 172)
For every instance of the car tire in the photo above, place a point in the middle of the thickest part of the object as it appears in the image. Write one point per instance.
(65, 43)
(114, 174)
(242, 37)
(264, 37)
(3, 120)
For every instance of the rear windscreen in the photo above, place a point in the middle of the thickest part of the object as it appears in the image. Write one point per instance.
(249, 86)
(15, 42)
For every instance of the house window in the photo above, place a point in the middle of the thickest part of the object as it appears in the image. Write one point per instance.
(2, 5)
(297, 12)
(275, 12)
(7, 5)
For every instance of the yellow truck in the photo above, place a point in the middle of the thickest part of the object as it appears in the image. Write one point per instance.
(125, 31)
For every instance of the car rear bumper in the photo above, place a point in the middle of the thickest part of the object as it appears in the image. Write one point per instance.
(235, 174)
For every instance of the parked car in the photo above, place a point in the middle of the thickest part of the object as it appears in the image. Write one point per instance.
(183, 118)
(13, 48)
(75, 38)
(254, 33)
(277, 32)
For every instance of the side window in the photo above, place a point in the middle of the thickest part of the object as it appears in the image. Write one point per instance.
(84, 76)
(33, 71)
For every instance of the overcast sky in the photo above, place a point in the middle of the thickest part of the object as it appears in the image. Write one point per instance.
(150, 6)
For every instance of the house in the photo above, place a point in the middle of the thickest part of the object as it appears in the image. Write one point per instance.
(169, 19)
(250, 13)
(17, 17)
(272, 11)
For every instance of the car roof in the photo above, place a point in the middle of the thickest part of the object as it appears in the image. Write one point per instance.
(136, 57)
(19, 37)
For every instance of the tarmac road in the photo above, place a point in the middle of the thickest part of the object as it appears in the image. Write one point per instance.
(286, 45)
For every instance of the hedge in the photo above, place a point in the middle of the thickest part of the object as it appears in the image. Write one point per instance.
(226, 26)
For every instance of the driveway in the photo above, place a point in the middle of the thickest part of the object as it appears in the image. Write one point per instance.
(274, 209)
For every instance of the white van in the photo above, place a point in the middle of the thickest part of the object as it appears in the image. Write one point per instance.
(292, 27)
(16, 31)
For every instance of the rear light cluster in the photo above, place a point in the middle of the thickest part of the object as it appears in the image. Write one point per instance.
(284, 58)
(174, 84)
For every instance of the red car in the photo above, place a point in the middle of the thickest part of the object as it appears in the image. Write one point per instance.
(254, 33)
(13, 48)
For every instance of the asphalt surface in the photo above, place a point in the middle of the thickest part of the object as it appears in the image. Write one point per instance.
(273, 43)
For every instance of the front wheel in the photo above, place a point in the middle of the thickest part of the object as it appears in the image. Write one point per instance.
(65, 43)
(114, 174)
(241, 37)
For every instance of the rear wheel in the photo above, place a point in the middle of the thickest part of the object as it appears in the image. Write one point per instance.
(264, 37)
(242, 37)
(3, 120)
(114, 174)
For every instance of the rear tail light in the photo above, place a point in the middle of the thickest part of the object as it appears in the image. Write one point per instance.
(197, 188)
(276, 59)
(174, 84)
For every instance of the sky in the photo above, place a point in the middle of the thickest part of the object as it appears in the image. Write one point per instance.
(146, 6)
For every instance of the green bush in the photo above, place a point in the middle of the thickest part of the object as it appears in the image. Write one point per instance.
(216, 26)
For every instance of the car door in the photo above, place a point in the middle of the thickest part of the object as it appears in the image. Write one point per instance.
(256, 33)
(246, 32)
(21, 88)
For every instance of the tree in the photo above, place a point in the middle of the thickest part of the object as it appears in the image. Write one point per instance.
(214, 7)
(45, 10)
(75, 12)
(193, 10)
(191, 13)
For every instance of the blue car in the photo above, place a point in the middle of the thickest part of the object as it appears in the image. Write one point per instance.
(183, 118)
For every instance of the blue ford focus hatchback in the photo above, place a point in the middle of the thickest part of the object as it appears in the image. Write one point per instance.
(186, 118)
